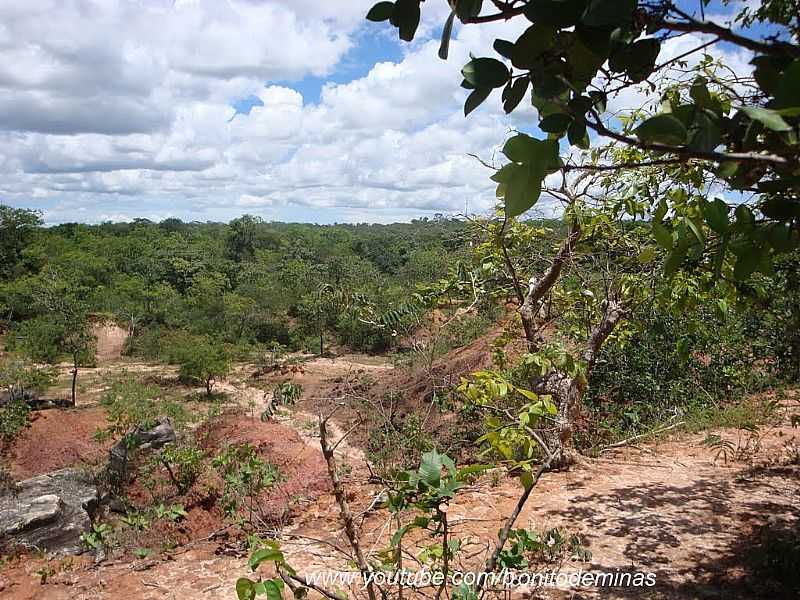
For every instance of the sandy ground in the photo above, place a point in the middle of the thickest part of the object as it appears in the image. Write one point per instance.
(670, 507)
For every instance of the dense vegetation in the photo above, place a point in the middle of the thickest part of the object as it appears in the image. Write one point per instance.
(243, 284)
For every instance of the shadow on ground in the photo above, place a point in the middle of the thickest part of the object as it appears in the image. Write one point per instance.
(756, 551)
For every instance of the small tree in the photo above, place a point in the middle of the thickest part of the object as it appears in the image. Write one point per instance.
(63, 328)
(18, 377)
(203, 360)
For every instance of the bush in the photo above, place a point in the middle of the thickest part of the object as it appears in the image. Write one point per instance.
(203, 360)
(130, 404)
(13, 419)
(244, 475)
(667, 370)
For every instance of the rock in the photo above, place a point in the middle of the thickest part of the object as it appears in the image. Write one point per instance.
(157, 437)
(49, 512)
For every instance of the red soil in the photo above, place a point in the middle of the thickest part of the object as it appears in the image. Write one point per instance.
(301, 466)
(56, 439)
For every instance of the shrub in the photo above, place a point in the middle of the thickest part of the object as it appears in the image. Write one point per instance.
(203, 360)
(130, 404)
(13, 419)
(244, 475)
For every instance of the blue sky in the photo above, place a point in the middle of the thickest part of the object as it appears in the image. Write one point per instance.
(291, 110)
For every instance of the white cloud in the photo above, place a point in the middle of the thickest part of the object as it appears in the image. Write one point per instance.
(124, 108)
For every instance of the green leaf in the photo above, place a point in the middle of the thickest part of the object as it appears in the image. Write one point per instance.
(531, 45)
(406, 17)
(475, 99)
(608, 13)
(705, 133)
(769, 118)
(418, 522)
(513, 94)
(526, 479)
(727, 169)
(264, 555)
(503, 175)
(781, 208)
(747, 263)
(555, 13)
(767, 73)
(663, 236)
(523, 190)
(583, 64)
(745, 219)
(779, 236)
(485, 73)
(716, 215)
(382, 11)
(447, 32)
(787, 92)
(555, 123)
(675, 260)
(641, 59)
(577, 135)
(696, 230)
(245, 589)
(504, 48)
(273, 589)
(663, 129)
(468, 9)
(430, 469)
(700, 94)
(541, 153)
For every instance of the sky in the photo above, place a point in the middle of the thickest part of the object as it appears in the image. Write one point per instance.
(291, 110)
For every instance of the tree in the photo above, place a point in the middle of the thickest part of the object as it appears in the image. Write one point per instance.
(576, 55)
(17, 226)
(203, 360)
(242, 238)
(62, 328)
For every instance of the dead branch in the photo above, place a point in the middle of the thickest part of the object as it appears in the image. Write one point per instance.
(641, 435)
(344, 507)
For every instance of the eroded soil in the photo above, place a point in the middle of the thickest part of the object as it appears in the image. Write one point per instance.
(672, 506)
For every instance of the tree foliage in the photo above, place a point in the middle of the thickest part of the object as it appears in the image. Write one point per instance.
(576, 56)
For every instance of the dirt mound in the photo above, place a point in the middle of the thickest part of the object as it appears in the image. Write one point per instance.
(301, 466)
(111, 340)
(57, 439)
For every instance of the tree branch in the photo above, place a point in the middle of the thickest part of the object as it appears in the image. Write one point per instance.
(614, 313)
(539, 288)
(684, 152)
(692, 25)
(344, 507)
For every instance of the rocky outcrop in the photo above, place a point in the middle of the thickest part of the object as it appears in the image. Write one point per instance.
(49, 512)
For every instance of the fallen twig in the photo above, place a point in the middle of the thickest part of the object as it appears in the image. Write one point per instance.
(642, 435)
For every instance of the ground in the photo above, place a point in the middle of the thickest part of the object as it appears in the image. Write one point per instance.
(674, 506)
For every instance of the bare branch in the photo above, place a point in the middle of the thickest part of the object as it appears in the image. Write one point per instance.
(344, 507)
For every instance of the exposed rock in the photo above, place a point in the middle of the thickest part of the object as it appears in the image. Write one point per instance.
(157, 437)
(49, 512)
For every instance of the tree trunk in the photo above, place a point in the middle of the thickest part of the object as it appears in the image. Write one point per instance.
(74, 381)
(568, 391)
(538, 288)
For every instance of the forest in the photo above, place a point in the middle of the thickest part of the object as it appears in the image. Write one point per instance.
(603, 403)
